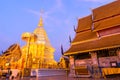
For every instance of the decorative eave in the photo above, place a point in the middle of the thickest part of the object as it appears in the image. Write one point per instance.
(98, 44)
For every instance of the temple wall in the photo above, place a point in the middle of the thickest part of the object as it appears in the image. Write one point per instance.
(103, 61)
(82, 62)
(106, 61)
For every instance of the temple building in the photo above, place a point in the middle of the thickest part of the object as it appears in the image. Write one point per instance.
(11, 57)
(37, 52)
(97, 41)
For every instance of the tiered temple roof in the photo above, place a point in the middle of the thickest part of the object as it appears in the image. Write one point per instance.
(98, 44)
(11, 55)
(83, 31)
(106, 16)
(84, 24)
(107, 11)
(107, 23)
(84, 36)
(103, 20)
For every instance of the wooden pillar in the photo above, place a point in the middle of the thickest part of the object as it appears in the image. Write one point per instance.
(96, 70)
(72, 66)
(118, 54)
(94, 58)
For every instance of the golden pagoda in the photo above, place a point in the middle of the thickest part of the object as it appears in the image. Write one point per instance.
(37, 52)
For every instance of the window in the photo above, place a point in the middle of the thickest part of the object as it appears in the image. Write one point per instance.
(107, 52)
(82, 56)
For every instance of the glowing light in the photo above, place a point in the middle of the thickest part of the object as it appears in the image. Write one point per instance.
(7, 64)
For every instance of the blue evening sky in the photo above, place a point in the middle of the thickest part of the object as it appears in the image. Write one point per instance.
(19, 16)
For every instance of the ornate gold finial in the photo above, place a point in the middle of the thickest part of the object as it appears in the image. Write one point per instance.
(41, 20)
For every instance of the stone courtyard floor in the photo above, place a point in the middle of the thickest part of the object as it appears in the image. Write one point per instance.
(62, 78)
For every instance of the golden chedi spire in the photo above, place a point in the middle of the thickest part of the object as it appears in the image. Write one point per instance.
(41, 51)
(40, 24)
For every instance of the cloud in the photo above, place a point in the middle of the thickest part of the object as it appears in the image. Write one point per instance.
(97, 0)
(33, 12)
(48, 15)
(59, 4)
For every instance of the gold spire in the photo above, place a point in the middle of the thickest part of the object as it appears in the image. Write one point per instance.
(40, 24)
(41, 20)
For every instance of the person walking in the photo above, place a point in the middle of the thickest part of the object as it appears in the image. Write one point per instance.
(90, 69)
